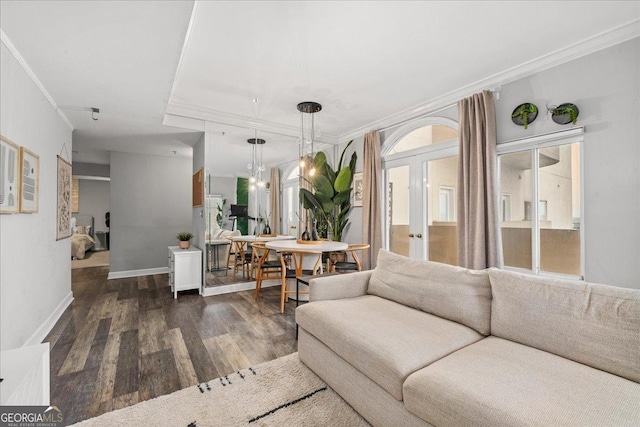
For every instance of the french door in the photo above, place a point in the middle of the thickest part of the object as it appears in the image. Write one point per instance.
(420, 204)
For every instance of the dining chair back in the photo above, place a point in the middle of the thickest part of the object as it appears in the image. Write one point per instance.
(295, 259)
(266, 268)
(347, 266)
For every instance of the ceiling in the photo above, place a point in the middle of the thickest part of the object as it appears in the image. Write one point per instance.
(363, 61)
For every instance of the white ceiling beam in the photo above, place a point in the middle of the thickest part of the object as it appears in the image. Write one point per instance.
(241, 121)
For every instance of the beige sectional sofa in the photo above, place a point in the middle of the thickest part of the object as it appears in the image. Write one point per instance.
(421, 343)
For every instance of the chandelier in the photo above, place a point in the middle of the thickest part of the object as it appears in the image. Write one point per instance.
(256, 165)
(308, 132)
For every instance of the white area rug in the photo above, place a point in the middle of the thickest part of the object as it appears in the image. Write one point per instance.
(283, 392)
(92, 259)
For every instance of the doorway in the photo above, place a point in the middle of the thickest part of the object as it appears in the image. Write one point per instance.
(420, 167)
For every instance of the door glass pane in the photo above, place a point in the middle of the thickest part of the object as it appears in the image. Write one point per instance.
(290, 210)
(398, 209)
(515, 186)
(441, 195)
(427, 135)
(559, 209)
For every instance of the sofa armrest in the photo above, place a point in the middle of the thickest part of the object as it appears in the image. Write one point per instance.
(339, 286)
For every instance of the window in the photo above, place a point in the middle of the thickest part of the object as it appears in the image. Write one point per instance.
(540, 185)
(505, 207)
(447, 203)
(424, 136)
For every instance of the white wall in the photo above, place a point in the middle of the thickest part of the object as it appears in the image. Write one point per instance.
(35, 269)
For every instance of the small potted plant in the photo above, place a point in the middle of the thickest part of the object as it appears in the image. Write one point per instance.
(524, 114)
(185, 240)
(564, 113)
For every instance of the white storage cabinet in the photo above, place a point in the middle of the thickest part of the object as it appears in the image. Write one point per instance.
(185, 269)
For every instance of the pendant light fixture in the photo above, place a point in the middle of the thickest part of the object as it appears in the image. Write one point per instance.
(308, 132)
(255, 165)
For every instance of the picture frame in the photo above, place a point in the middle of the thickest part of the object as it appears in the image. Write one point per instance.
(29, 181)
(63, 216)
(358, 188)
(9, 176)
(198, 189)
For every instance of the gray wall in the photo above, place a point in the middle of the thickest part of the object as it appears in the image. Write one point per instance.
(35, 269)
(605, 86)
(150, 205)
(197, 214)
(93, 199)
(91, 169)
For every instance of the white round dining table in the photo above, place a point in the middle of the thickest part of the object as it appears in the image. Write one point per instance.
(299, 250)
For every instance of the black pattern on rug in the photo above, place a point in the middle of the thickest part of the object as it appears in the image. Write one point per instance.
(286, 405)
(237, 376)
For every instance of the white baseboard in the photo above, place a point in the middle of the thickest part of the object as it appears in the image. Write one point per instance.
(41, 333)
(135, 273)
(236, 287)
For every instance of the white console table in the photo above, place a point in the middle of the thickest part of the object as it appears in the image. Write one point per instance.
(185, 269)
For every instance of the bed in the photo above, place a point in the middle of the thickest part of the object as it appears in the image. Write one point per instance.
(82, 238)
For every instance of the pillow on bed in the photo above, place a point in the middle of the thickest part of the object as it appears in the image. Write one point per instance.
(81, 229)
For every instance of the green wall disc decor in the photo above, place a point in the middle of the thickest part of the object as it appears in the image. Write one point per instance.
(524, 114)
(242, 198)
(565, 113)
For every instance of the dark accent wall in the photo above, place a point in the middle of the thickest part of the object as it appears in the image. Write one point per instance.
(242, 198)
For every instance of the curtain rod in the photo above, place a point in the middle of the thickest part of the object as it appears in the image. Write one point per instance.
(495, 90)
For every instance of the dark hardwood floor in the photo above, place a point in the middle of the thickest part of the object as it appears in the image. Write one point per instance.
(127, 340)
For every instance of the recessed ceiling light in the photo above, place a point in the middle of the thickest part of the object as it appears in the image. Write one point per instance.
(255, 100)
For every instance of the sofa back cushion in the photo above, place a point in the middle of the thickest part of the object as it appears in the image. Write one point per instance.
(453, 293)
(596, 325)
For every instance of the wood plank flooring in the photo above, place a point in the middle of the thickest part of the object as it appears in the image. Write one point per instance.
(127, 340)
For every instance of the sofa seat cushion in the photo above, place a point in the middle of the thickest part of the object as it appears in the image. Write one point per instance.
(384, 340)
(496, 382)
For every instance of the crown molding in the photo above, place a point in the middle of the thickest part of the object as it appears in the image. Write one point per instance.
(579, 49)
(584, 47)
(236, 120)
(7, 42)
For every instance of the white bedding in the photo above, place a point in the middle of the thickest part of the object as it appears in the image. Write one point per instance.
(80, 243)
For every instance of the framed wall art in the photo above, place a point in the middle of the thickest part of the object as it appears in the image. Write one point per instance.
(198, 188)
(357, 189)
(30, 175)
(9, 176)
(63, 220)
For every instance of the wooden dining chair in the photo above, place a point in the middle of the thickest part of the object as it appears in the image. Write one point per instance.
(347, 266)
(265, 268)
(231, 252)
(296, 258)
(242, 260)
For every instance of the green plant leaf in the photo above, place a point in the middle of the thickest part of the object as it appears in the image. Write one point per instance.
(320, 160)
(309, 200)
(342, 155)
(329, 173)
(323, 185)
(342, 180)
(352, 163)
(342, 196)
